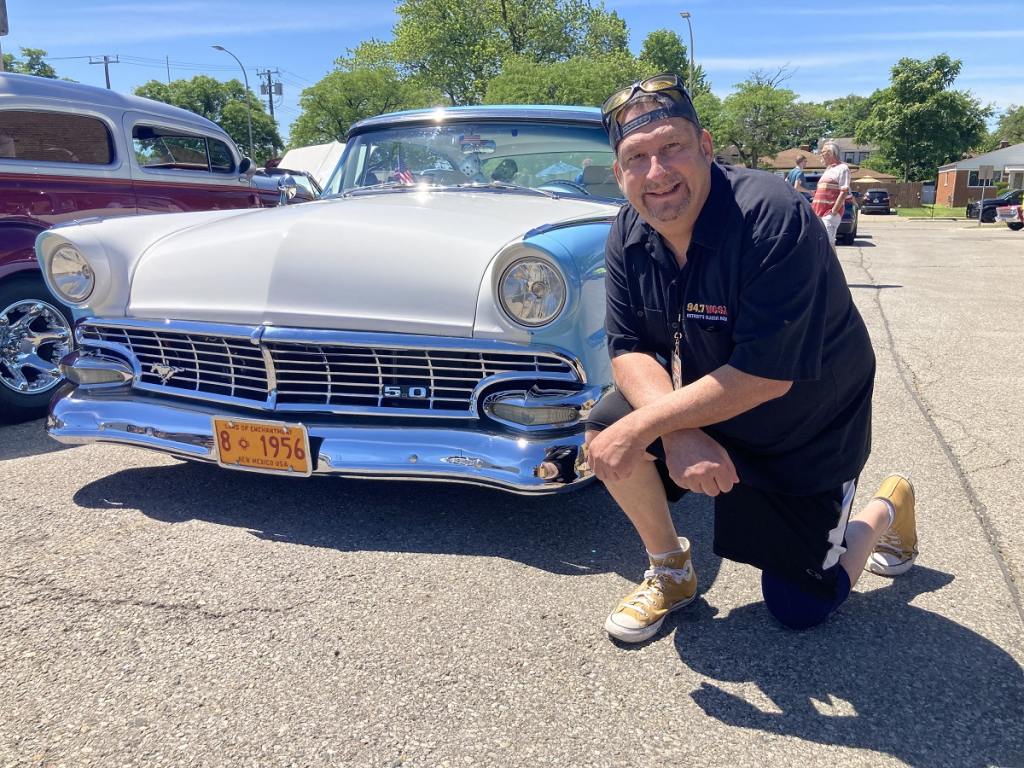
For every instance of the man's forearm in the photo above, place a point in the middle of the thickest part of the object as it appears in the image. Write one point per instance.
(721, 395)
(640, 378)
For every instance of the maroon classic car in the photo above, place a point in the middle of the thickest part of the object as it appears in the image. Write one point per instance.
(70, 151)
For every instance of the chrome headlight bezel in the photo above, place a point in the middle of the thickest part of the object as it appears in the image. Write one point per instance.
(72, 285)
(550, 274)
(83, 241)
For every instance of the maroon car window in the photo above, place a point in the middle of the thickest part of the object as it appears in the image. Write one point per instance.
(161, 148)
(54, 137)
(221, 159)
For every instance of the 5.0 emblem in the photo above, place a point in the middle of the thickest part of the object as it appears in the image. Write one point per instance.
(416, 393)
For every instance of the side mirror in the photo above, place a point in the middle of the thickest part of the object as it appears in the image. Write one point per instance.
(287, 189)
(245, 166)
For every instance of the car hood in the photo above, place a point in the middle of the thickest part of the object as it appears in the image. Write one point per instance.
(407, 262)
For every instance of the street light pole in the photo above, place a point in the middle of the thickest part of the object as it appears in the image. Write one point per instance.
(248, 106)
(689, 80)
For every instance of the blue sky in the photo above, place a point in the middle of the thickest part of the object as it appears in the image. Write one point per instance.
(832, 48)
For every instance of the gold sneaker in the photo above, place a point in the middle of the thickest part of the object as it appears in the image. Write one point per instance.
(669, 584)
(897, 549)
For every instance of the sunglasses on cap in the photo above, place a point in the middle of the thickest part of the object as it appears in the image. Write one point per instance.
(668, 85)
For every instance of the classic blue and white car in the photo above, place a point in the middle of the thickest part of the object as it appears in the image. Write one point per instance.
(439, 315)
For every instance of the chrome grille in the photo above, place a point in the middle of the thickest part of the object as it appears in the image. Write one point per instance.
(442, 380)
(213, 365)
(339, 376)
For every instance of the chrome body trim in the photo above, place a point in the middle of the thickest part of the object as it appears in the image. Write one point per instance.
(254, 379)
(520, 463)
(582, 401)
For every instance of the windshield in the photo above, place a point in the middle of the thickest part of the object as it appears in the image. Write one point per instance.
(574, 159)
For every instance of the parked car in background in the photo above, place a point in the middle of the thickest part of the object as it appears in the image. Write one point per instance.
(1013, 215)
(876, 201)
(847, 231)
(988, 206)
(70, 151)
(295, 186)
(438, 315)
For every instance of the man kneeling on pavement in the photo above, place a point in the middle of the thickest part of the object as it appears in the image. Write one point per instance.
(742, 370)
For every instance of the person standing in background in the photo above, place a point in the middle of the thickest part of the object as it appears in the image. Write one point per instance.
(833, 189)
(796, 178)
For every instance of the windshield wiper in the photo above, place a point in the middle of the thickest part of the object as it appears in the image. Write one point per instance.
(494, 184)
(384, 186)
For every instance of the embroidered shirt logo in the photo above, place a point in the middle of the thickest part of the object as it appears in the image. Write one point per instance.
(713, 312)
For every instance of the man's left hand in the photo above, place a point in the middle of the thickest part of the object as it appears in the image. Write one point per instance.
(617, 450)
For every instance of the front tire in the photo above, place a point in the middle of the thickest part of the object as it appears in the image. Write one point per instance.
(1016, 226)
(35, 333)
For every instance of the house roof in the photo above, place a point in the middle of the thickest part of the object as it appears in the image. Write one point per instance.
(786, 159)
(999, 158)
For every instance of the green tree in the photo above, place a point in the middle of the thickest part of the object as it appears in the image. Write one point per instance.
(33, 62)
(346, 95)
(811, 121)
(457, 46)
(1011, 125)
(709, 110)
(759, 117)
(919, 122)
(224, 104)
(581, 80)
(664, 51)
(846, 113)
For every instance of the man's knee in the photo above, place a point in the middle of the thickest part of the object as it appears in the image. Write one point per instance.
(796, 609)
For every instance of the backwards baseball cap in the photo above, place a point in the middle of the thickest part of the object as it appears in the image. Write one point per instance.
(673, 98)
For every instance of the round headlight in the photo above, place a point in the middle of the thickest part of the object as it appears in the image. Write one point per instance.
(71, 274)
(532, 292)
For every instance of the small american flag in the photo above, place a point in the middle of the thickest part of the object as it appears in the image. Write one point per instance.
(403, 174)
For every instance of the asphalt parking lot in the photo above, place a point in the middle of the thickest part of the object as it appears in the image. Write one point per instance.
(155, 612)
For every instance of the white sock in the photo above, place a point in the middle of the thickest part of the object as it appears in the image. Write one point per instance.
(892, 511)
(663, 555)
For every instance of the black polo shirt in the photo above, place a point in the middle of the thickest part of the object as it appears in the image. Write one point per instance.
(763, 291)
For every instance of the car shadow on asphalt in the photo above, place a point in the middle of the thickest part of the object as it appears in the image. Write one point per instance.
(29, 438)
(575, 533)
(881, 674)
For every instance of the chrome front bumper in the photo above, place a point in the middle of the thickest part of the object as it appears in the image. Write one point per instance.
(530, 463)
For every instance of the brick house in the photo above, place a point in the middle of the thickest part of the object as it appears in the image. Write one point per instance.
(958, 183)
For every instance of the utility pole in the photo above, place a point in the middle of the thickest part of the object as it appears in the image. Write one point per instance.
(168, 60)
(270, 89)
(106, 61)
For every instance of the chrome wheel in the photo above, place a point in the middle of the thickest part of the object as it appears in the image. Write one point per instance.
(34, 336)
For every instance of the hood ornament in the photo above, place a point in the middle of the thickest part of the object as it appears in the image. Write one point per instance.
(165, 372)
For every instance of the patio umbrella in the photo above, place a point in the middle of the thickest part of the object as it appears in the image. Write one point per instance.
(868, 180)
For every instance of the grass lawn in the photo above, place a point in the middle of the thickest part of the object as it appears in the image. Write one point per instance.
(929, 211)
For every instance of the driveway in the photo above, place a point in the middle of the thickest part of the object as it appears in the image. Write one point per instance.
(155, 612)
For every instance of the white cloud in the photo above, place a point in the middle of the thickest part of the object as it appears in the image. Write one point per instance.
(147, 26)
(943, 35)
(829, 60)
(929, 9)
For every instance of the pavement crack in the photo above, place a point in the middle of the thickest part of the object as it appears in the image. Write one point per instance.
(61, 595)
(981, 512)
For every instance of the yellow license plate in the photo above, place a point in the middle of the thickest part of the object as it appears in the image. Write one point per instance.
(262, 446)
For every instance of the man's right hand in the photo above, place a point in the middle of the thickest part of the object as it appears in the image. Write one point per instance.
(698, 463)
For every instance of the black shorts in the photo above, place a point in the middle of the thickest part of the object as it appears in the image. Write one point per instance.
(797, 538)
